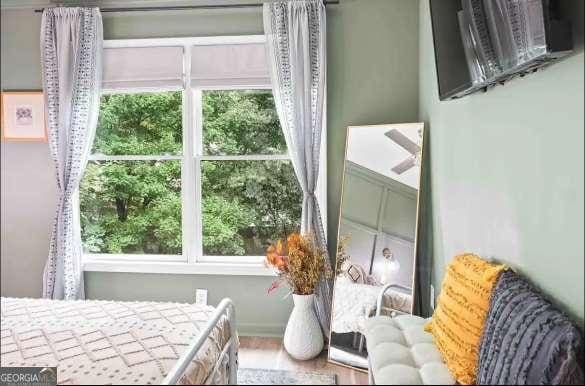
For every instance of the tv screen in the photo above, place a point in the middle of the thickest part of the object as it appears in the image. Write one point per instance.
(482, 43)
(452, 72)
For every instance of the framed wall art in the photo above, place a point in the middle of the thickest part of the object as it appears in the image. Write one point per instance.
(22, 116)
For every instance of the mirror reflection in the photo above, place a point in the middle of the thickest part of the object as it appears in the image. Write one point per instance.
(377, 233)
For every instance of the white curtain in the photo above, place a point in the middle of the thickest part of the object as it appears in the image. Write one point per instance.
(295, 34)
(71, 48)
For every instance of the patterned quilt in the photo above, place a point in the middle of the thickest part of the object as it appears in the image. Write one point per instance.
(352, 301)
(107, 342)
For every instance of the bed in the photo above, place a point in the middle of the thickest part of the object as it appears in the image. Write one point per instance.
(358, 301)
(112, 342)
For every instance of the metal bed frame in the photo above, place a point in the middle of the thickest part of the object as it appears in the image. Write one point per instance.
(358, 338)
(381, 297)
(226, 307)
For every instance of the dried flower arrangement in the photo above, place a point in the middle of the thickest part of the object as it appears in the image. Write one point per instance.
(299, 262)
(342, 255)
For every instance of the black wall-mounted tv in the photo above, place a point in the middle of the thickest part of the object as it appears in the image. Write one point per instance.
(482, 43)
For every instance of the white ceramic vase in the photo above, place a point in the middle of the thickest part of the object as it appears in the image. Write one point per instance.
(303, 338)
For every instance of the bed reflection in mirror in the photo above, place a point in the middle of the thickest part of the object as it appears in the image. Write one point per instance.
(377, 233)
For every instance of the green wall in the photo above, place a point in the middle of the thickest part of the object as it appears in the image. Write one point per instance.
(363, 193)
(373, 78)
(507, 170)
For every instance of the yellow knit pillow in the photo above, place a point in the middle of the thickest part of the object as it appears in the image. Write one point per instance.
(459, 317)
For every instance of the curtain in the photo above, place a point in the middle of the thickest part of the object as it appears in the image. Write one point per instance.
(71, 47)
(295, 35)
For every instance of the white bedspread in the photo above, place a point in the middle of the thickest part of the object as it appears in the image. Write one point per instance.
(106, 342)
(352, 301)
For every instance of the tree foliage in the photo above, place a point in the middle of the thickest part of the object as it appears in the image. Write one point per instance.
(135, 206)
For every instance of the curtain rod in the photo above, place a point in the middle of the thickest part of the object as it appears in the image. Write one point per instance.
(187, 7)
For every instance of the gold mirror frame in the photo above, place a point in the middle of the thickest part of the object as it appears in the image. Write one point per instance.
(416, 231)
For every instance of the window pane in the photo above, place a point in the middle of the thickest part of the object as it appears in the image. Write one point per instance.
(140, 124)
(131, 207)
(247, 204)
(241, 122)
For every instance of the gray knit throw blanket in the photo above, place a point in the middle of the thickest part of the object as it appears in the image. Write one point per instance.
(526, 341)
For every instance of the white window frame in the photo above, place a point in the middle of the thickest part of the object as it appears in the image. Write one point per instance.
(192, 260)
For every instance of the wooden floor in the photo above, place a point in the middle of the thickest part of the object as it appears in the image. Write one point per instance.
(268, 353)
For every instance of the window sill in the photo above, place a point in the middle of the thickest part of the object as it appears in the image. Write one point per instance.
(201, 268)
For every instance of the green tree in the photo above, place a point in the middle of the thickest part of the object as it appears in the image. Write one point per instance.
(135, 206)
(241, 122)
(140, 124)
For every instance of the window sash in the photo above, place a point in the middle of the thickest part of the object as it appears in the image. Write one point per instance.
(197, 94)
(192, 232)
(148, 257)
(103, 157)
(201, 256)
(129, 257)
(198, 230)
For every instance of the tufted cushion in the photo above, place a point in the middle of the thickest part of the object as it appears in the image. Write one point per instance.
(402, 353)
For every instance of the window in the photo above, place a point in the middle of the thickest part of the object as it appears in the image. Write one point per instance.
(189, 171)
(130, 195)
(249, 192)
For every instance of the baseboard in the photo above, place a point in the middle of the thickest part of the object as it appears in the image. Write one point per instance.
(268, 330)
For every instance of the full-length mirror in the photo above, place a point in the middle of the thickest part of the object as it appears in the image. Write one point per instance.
(377, 233)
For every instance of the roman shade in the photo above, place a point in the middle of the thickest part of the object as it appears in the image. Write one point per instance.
(142, 67)
(243, 63)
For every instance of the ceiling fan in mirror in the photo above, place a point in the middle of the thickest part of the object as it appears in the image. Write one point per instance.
(410, 146)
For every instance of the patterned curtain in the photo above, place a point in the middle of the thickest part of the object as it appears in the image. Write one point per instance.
(295, 34)
(71, 48)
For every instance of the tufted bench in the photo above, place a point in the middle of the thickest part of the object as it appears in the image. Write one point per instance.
(402, 353)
